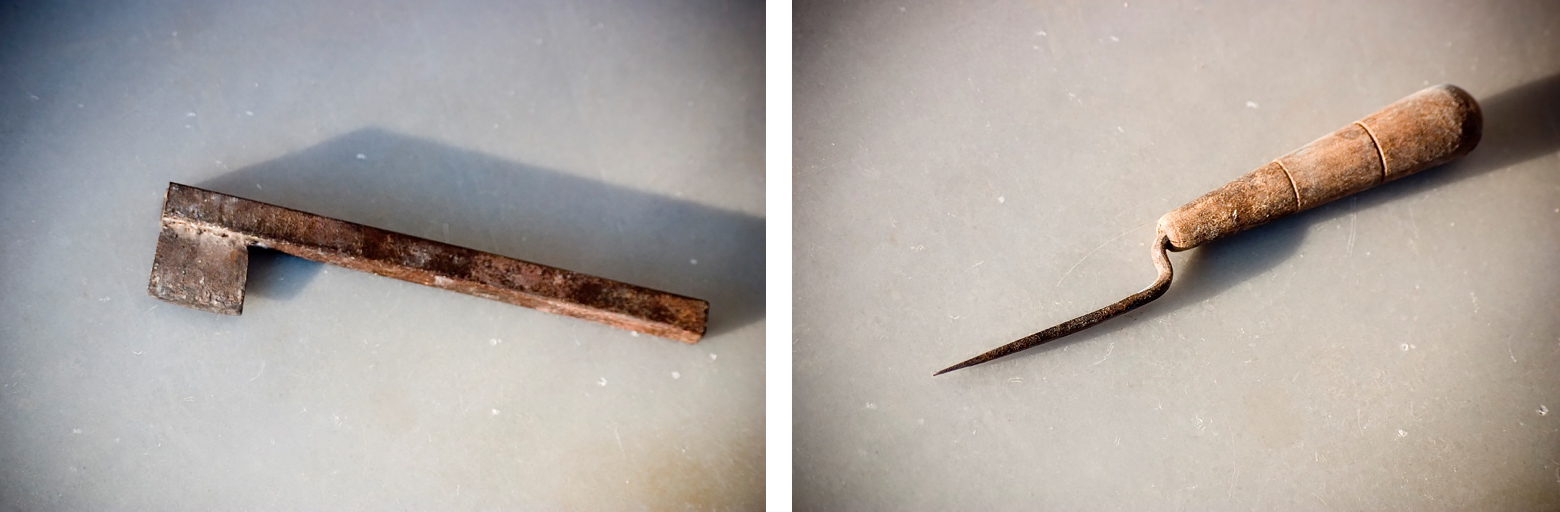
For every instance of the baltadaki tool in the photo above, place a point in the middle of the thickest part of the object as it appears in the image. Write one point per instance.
(203, 260)
(1426, 129)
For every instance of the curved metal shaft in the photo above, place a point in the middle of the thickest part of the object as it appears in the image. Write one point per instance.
(1162, 283)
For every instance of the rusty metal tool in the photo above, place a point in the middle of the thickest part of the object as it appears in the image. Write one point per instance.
(1428, 128)
(202, 261)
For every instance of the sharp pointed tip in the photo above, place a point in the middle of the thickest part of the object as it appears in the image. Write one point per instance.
(965, 364)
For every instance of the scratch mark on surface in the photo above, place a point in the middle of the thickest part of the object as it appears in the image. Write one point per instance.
(1233, 480)
(619, 441)
(257, 374)
(1107, 353)
(1096, 249)
(1349, 249)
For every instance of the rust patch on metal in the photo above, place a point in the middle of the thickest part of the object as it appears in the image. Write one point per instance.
(1122, 307)
(202, 262)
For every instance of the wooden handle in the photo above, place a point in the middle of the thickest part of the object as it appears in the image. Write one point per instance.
(1426, 129)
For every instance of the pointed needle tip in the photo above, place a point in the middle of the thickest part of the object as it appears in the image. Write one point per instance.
(952, 368)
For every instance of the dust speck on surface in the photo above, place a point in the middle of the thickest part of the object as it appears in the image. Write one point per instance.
(75, 431)
(1251, 104)
(189, 114)
(1543, 410)
(495, 341)
(1404, 347)
(712, 356)
(602, 382)
(693, 262)
(1120, 129)
(1001, 199)
(249, 112)
(1115, 39)
(634, 334)
(1402, 433)
(871, 406)
(495, 412)
(361, 156)
(676, 375)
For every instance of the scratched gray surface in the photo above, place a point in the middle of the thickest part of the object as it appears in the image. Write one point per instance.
(970, 172)
(621, 139)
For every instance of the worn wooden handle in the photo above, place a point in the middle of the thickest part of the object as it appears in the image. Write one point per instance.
(1428, 128)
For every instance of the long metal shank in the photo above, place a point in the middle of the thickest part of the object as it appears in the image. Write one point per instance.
(202, 263)
(1161, 284)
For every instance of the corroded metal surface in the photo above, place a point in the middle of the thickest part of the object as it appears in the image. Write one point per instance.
(202, 262)
(1134, 301)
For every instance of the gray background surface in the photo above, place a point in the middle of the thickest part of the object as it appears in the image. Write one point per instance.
(620, 139)
(970, 172)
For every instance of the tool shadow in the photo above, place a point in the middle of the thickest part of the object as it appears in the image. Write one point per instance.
(436, 191)
(1520, 124)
